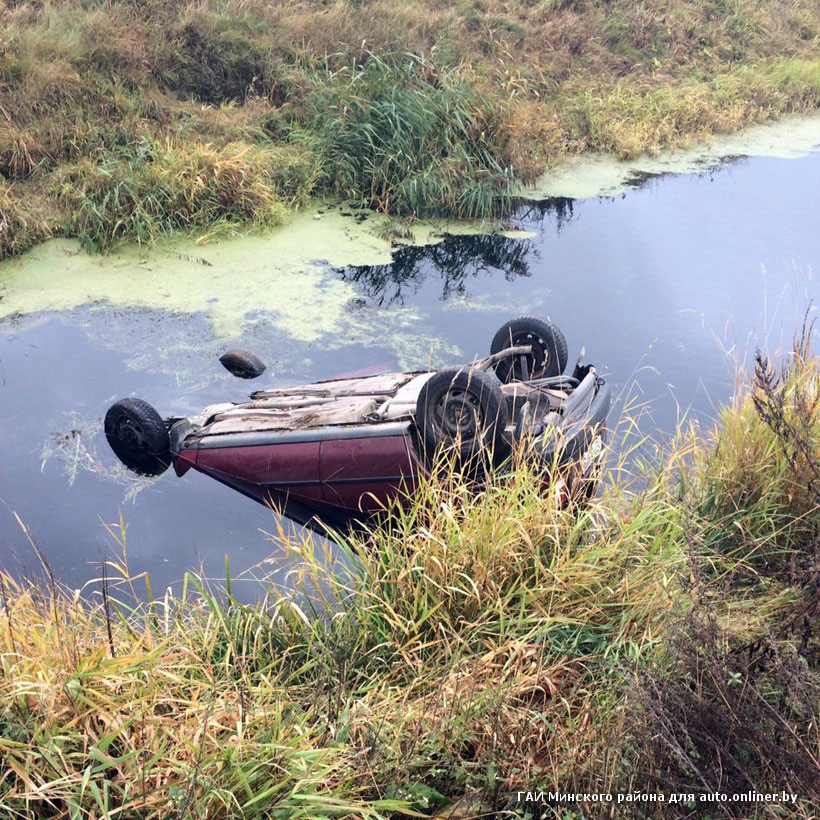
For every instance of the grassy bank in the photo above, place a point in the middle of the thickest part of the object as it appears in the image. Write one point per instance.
(132, 119)
(665, 640)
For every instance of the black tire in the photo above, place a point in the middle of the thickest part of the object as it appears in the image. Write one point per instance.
(462, 409)
(243, 364)
(138, 436)
(549, 356)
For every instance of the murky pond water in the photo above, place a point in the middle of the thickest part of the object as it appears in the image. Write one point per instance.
(657, 282)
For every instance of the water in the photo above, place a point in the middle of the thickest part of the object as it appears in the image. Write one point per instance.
(665, 285)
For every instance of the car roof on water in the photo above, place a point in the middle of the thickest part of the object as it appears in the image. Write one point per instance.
(381, 384)
(312, 411)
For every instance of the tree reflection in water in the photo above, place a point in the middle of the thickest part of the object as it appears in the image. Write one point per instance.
(561, 209)
(455, 259)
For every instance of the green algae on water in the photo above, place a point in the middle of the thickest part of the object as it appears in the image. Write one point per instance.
(283, 276)
(594, 175)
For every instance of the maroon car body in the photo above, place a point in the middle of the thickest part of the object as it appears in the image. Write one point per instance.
(304, 462)
(348, 456)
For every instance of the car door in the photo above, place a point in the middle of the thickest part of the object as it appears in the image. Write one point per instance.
(363, 473)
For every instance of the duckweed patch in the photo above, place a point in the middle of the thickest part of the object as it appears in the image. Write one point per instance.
(597, 174)
(273, 280)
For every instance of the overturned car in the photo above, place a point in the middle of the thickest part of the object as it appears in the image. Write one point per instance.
(333, 452)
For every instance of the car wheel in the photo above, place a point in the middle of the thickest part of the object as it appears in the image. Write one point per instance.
(138, 436)
(243, 364)
(549, 349)
(462, 410)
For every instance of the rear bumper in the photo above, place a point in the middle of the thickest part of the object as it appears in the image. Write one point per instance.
(178, 431)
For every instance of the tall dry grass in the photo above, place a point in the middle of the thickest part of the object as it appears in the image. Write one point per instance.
(415, 109)
(148, 190)
(22, 224)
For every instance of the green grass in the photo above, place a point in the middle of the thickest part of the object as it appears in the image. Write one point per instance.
(391, 141)
(420, 109)
(479, 642)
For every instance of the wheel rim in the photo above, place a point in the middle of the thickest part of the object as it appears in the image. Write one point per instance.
(130, 434)
(457, 414)
(526, 366)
